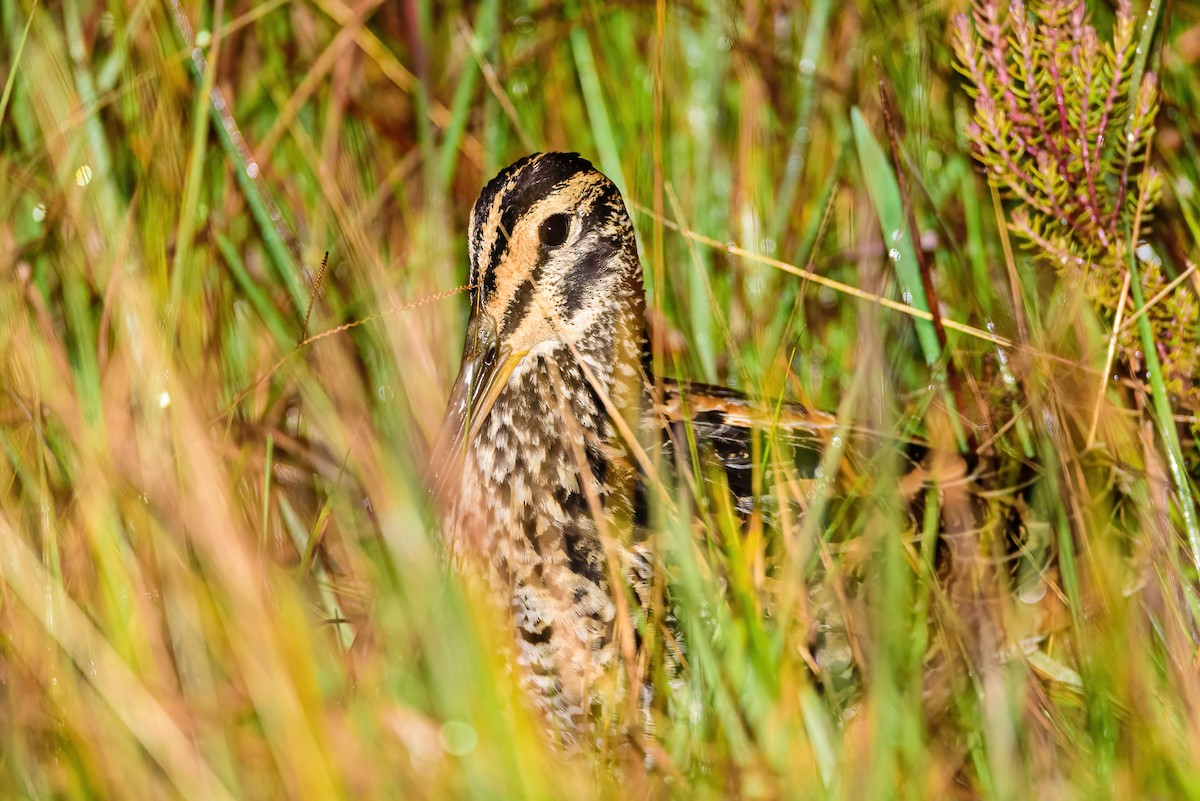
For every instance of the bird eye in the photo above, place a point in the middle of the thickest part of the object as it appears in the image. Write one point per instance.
(554, 230)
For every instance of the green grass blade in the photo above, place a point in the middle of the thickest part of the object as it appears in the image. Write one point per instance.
(16, 63)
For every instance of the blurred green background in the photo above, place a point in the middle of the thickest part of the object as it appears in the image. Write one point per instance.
(220, 575)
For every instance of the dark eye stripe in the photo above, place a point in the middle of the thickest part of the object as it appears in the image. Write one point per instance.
(518, 307)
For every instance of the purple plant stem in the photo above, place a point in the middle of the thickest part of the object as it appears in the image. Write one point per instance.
(1022, 178)
(987, 20)
(1025, 41)
(1059, 99)
(1081, 33)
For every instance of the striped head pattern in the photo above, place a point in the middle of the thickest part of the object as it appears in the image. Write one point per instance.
(554, 275)
(553, 255)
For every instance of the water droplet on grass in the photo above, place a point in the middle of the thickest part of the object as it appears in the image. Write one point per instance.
(458, 738)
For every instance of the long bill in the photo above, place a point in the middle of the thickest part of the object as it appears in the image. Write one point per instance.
(486, 367)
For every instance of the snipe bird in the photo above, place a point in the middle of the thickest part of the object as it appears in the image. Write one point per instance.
(543, 474)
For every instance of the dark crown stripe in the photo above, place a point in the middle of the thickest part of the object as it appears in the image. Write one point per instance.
(482, 239)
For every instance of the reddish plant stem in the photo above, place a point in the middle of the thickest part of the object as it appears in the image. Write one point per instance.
(1057, 81)
(1010, 164)
(1093, 199)
(1022, 179)
(993, 34)
(1114, 87)
(1025, 40)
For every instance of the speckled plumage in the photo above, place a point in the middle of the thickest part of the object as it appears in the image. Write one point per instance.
(522, 511)
(518, 505)
(532, 449)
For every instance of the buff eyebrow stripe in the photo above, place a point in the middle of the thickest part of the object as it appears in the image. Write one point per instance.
(502, 198)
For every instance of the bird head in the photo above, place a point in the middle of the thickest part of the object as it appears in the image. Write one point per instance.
(554, 265)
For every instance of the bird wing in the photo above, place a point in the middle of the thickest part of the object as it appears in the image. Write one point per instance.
(705, 427)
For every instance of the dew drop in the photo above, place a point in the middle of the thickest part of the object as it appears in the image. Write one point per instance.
(1033, 593)
(39, 212)
(894, 254)
(83, 176)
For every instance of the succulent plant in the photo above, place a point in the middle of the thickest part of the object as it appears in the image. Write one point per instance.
(1060, 134)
